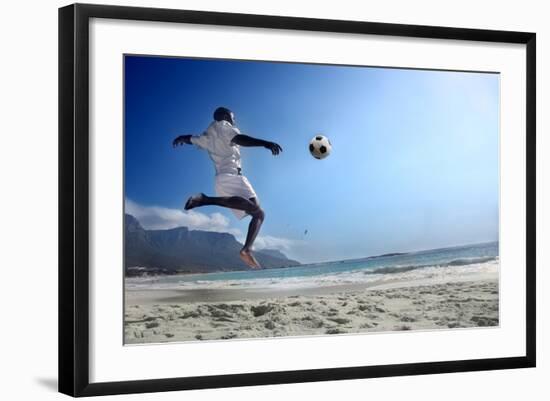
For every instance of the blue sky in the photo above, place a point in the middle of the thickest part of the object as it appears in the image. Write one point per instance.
(414, 162)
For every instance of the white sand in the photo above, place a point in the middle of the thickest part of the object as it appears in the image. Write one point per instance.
(154, 316)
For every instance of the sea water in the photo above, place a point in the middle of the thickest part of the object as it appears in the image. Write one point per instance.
(440, 263)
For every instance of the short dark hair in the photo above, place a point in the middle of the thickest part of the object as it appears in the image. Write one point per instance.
(223, 114)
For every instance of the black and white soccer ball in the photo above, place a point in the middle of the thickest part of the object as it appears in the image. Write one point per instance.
(320, 146)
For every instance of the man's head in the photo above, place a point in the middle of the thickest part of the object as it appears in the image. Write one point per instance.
(224, 114)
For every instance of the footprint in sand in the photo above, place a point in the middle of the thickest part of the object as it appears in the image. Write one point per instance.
(187, 315)
(313, 322)
(261, 310)
(224, 319)
(335, 330)
(269, 325)
(339, 320)
(484, 321)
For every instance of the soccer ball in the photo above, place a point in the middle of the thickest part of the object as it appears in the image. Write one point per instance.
(320, 146)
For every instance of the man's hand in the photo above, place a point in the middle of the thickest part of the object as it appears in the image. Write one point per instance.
(245, 140)
(274, 147)
(181, 140)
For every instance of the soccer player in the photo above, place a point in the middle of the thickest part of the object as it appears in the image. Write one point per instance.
(222, 140)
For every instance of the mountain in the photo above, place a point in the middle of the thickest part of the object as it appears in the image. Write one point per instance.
(183, 250)
(274, 252)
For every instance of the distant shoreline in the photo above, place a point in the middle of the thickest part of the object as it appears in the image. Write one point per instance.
(162, 272)
(149, 296)
(140, 271)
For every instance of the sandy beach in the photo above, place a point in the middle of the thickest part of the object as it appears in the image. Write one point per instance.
(168, 315)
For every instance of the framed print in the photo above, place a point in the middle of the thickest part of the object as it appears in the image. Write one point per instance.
(251, 199)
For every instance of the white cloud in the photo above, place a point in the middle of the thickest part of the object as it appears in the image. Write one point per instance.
(162, 218)
(271, 242)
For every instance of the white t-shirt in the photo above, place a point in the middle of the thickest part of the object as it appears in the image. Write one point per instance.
(216, 140)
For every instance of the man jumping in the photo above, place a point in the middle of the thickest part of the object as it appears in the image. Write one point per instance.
(222, 140)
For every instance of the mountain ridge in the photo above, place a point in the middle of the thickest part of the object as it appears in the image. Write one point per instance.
(180, 250)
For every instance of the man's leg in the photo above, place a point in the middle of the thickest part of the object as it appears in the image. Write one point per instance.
(258, 216)
(231, 202)
(250, 206)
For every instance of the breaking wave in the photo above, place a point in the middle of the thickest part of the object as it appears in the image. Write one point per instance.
(456, 262)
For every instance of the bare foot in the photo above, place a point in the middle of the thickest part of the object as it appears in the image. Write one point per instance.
(249, 259)
(194, 201)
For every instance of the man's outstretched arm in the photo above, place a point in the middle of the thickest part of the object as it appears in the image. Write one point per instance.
(182, 139)
(245, 140)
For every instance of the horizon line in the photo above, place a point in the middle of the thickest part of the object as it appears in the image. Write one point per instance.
(386, 254)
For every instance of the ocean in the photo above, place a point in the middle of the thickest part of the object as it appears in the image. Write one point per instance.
(440, 263)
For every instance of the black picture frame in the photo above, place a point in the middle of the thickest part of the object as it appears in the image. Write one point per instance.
(74, 198)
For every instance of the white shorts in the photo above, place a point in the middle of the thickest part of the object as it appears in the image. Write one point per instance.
(235, 185)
